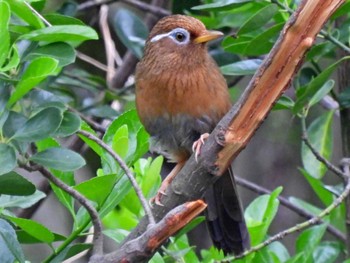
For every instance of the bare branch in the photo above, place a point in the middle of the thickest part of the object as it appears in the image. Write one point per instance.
(127, 171)
(92, 61)
(156, 10)
(143, 247)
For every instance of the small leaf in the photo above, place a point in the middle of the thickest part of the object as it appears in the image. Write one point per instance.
(59, 158)
(284, 103)
(131, 30)
(40, 126)
(10, 249)
(308, 241)
(120, 142)
(221, 5)
(322, 92)
(21, 10)
(305, 205)
(25, 238)
(241, 68)
(62, 52)
(62, 34)
(36, 71)
(259, 19)
(33, 228)
(320, 136)
(70, 124)
(70, 251)
(9, 201)
(98, 188)
(4, 33)
(14, 184)
(327, 252)
(7, 158)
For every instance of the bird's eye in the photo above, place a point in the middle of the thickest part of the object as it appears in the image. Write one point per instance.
(180, 36)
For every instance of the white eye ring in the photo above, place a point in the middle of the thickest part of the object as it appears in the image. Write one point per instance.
(179, 35)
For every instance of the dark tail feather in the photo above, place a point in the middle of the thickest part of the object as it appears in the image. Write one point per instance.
(225, 216)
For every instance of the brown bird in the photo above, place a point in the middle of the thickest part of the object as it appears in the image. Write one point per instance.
(180, 97)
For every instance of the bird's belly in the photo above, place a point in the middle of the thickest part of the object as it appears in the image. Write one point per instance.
(173, 136)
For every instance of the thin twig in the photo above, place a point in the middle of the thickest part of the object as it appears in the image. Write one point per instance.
(93, 124)
(98, 238)
(323, 160)
(127, 171)
(93, 3)
(108, 42)
(37, 14)
(91, 61)
(313, 221)
(285, 202)
(156, 10)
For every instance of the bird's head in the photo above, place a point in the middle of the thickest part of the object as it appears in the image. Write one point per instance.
(179, 38)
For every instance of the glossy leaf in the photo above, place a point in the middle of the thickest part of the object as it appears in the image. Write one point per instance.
(14, 184)
(25, 238)
(9, 201)
(4, 33)
(7, 158)
(98, 188)
(62, 52)
(284, 103)
(33, 228)
(93, 145)
(320, 136)
(13, 123)
(131, 30)
(13, 60)
(62, 34)
(259, 19)
(315, 84)
(40, 126)
(36, 71)
(305, 205)
(70, 124)
(241, 68)
(59, 158)
(70, 251)
(120, 143)
(221, 5)
(21, 10)
(322, 92)
(308, 240)
(260, 213)
(10, 249)
(327, 252)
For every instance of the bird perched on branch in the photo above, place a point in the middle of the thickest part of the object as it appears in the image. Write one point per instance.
(180, 97)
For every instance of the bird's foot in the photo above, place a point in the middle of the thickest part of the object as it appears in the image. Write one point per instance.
(156, 199)
(197, 145)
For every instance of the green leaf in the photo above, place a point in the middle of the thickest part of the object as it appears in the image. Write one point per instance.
(241, 68)
(284, 103)
(236, 45)
(322, 92)
(280, 251)
(36, 71)
(221, 5)
(118, 235)
(13, 59)
(70, 124)
(131, 30)
(259, 19)
(62, 34)
(93, 145)
(308, 241)
(305, 205)
(10, 249)
(315, 85)
(62, 52)
(70, 251)
(33, 228)
(195, 222)
(98, 188)
(9, 201)
(59, 158)
(14, 184)
(7, 158)
(151, 178)
(40, 126)
(327, 252)
(320, 136)
(263, 43)
(120, 143)
(260, 213)
(4, 33)
(25, 238)
(13, 123)
(21, 10)
(319, 188)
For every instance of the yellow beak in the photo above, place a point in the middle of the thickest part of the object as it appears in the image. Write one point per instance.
(207, 36)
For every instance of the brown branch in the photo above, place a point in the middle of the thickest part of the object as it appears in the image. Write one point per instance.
(155, 10)
(142, 248)
(98, 237)
(237, 127)
(285, 202)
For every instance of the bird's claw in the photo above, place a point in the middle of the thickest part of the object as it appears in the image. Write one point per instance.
(197, 145)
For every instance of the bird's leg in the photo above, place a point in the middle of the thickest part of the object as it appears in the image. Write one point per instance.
(170, 177)
(197, 145)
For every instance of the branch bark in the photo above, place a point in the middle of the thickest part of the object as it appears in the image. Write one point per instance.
(235, 130)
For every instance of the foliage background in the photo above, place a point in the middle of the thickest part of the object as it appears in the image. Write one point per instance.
(49, 92)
